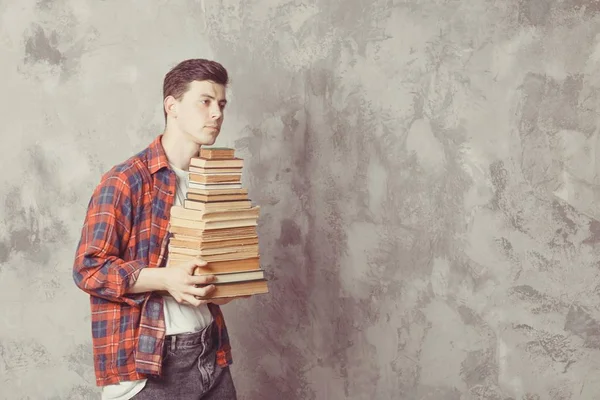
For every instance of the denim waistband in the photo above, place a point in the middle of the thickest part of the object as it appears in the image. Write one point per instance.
(188, 340)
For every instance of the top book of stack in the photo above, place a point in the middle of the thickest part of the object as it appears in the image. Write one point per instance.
(217, 223)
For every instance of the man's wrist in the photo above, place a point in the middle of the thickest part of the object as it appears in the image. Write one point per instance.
(149, 280)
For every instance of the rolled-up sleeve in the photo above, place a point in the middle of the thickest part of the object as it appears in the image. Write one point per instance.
(99, 268)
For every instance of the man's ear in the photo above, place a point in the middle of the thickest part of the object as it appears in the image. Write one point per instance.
(170, 105)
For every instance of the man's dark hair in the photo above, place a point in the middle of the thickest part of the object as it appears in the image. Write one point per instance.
(178, 79)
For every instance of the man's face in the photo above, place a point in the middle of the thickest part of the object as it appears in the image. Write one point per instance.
(199, 113)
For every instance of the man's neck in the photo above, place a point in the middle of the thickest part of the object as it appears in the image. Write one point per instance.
(178, 149)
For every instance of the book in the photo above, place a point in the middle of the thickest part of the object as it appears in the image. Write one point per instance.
(233, 289)
(217, 153)
(205, 179)
(241, 255)
(244, 276)
(224, 266)
(214, 171)
(213, 198)
(213, 251)
(214, 234)
(212, 191)
(212, 225)
(214, 186)
(196, 244)
(228, 163)
(199, 205)
(214, 215)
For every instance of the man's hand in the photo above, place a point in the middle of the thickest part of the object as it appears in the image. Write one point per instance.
(186, 288)
(181, 283)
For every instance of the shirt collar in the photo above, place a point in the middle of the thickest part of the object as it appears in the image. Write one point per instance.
(157, 158)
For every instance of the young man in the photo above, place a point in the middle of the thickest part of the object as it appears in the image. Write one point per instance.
(149, 345)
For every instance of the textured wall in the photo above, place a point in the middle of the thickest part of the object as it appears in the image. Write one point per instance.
(426, 169)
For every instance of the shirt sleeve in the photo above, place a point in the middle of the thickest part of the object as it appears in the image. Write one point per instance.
(99, 268)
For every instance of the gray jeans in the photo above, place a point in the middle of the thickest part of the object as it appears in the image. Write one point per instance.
(190, 371)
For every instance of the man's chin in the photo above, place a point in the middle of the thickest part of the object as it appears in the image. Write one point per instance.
(208, 140)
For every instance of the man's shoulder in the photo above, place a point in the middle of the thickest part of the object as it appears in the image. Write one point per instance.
(132, 172)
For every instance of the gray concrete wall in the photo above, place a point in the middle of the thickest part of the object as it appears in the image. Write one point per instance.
(426, 170)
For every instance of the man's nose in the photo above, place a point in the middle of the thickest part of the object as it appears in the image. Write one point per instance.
(216, 113)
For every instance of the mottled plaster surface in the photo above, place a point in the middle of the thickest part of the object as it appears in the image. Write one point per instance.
(426, 171)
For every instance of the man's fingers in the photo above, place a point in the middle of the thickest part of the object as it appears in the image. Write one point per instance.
(193, 263)
(202, 291)
(198, 262)
(187, 299)
(190, 266)
(201, 279)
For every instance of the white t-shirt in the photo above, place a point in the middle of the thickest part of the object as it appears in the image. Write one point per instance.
(179, 318)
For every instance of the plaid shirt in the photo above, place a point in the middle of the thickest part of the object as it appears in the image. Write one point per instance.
(125, 230)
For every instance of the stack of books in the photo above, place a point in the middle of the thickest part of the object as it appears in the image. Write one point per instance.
(218, 223)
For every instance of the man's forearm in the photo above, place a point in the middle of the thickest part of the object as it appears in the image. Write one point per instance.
(149, 279)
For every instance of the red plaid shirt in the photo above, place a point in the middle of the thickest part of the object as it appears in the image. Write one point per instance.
(125, 230)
